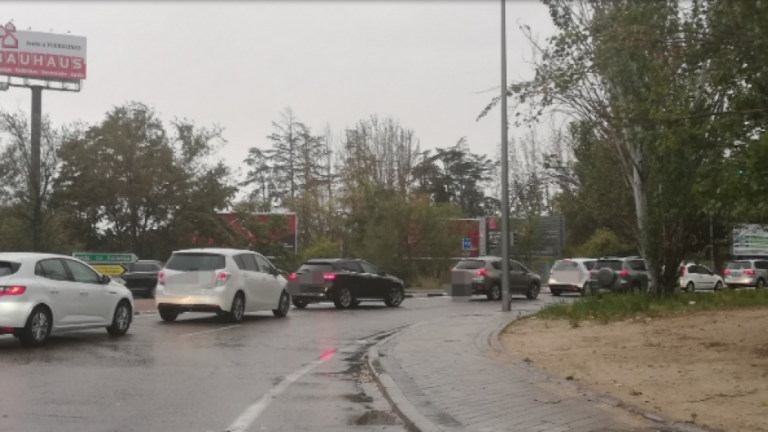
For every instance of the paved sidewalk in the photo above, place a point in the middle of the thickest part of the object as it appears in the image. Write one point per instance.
(441, 370)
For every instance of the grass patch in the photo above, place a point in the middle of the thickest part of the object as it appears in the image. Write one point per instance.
(605, 308)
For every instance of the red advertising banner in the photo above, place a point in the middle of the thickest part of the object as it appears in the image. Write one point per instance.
(41, 55)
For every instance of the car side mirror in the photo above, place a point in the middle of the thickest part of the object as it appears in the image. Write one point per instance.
(105, 280)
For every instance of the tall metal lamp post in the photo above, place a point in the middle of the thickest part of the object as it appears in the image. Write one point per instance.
(505, 300)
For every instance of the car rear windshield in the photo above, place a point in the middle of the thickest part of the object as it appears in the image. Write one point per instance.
(470, 265)
(8, 268)
(195, 262)
(142, 267)
(565, 266)
(613, 265)
(739, 265)
(316, 267)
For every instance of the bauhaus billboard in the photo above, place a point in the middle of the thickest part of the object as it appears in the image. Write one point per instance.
(41, 55)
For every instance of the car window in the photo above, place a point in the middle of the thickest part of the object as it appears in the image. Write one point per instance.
(470, 265)
(195, 262)
(589, 264)
(249, 262)
(316, 267)
(143, 267)
(704, 270)
(8, 268)
(638, 265)
(565, 266)
(369, 268)
(762, 265)
(739, 265)
(611, 264)
(239, 261)
(516, 266)
(52, 269)
(496, 265)
(81, 272)
(264, 264)
(352, 266)
(692, 269)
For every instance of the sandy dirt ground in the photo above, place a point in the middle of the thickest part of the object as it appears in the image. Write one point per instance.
(708, 368)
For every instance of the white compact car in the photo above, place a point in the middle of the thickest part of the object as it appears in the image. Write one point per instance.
(695, 276)
(570, 275)
(41, 294)
(228, 282)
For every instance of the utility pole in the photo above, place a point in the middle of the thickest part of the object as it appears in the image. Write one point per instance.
(711, 244)
(37, 119)
(505, 300)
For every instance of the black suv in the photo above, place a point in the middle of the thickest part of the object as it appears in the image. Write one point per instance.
(141, 277)
(345, 282)
(619, 275)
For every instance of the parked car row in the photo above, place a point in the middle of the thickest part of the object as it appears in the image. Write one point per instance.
(44, 294)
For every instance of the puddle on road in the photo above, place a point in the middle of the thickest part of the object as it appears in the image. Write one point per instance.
(374, 418)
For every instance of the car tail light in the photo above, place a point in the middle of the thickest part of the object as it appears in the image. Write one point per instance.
(624, 273)
(292, 276)
(222, 278)
(161, 278)
(329, 276)
(551, 272)
(749, 272)
(682, 271)
(12, 290)
(591, 272)
(481, 272)
(726, 272)
(6, 330)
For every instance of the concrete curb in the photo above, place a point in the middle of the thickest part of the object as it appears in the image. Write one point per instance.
(414, 420)
(590, 394)
(425, 293)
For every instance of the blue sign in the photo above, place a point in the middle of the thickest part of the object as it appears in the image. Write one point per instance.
(466, 243)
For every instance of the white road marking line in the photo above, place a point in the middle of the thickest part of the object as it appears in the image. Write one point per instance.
(210, 331)
(250, 415)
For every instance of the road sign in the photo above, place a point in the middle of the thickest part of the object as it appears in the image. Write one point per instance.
(105, 258)
(109, 270)
(466, 243)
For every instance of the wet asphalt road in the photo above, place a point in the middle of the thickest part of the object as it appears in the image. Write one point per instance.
(203, 374)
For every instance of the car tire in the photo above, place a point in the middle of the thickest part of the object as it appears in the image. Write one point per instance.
(121, 319)
(533, 291)
(168, 315)
(343, 298)
(690, 287)
(760, 284)
(585, 290)
(283, 306)
(394, 296)
(299, 303)
(494, 292)
(37, 329)
(237, 311)
(555, 293)
(636, 288)
(718, 286)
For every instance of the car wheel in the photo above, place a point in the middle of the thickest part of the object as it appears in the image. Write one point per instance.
(299, 304)
(555, 293)
(636, 288)
(168, 315)
(151, 293)
(237, 311)
(760, 284)
(283, 306)
(585, 290)
(533, 291)
(121, 320)
(343, 298)
(394, 297)
(718, 286)
(494, 293)
(38, 327)
(690, 287)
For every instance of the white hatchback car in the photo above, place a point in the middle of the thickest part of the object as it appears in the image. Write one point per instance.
(696, 276)
(41, 294)
(228, 282)
(570, 275)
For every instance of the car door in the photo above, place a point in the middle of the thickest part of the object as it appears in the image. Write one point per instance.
(96, 303)
(63, 291)
(519, 277)
(362, 283)
(273, 285)
(253, 279)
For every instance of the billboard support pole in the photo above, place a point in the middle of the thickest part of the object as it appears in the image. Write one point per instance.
(36, 126)
(505, 300)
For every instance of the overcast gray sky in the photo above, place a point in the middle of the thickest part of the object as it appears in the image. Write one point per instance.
(239, 64)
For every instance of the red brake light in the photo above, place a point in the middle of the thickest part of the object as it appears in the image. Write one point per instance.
(222, 278)
(749, 272)
(682, 271)
(481, 272)
(624, 273)
(12, 290)
(329, 276)
(725, 272)
(591, 272)
(292, 276)
(161, 278)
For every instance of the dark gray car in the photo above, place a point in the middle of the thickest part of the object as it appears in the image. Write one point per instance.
(486, 277)
(619, 275)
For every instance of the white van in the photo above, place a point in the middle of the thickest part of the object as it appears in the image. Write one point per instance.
(570, 275)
